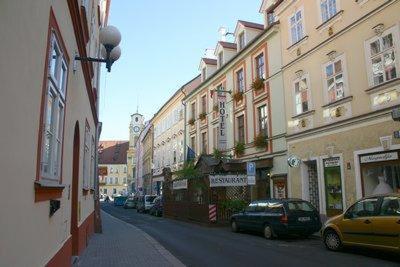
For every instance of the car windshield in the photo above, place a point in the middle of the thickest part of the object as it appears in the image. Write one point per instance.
(300, 206)
(150, 198)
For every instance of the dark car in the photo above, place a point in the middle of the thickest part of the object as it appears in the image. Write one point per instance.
(157, 208)
(275, 217)
(120, 200)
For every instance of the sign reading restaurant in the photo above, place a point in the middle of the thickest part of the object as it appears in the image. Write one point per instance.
(180, 184)
(227, 180)
(379, 157)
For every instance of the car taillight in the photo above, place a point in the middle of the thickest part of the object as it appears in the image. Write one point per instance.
(284, 219)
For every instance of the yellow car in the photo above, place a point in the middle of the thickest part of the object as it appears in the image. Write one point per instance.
(372, 222)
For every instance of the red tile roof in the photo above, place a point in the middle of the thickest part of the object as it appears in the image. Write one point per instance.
(228, 45)
(209, 61)
(113, 152)
(251, 25)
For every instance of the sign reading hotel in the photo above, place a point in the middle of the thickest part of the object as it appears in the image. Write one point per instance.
(222, 140)
(228, 180)
(180, 184)
(379, 157)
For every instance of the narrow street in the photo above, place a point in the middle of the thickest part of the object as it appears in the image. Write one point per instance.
(196, 245)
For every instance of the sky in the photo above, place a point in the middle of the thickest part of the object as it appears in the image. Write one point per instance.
(162, 44)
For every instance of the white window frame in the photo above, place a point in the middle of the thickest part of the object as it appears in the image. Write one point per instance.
(302, 22)
(257, 75)
(329, 16)
(395, 31)
(346, 91)
(241, 40)
(204, 73)
(54, 126)
(258, 128)
(92, 165)
(86, 158)
(297, 80)
(220, 58)
(240, 83)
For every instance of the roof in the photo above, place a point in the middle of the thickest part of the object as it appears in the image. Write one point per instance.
(209, 61)
(228, 45)
(253, 25)
(113, 152)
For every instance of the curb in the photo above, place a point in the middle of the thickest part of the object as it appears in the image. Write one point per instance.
(162, 250)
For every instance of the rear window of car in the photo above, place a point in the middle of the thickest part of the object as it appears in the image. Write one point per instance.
(300, 206)
(150, 198)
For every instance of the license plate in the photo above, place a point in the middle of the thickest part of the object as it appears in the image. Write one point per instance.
(304, 219)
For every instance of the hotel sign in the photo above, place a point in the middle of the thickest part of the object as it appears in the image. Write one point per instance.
(180, 184)
(228, 180)
(379, 157)
(222, 140)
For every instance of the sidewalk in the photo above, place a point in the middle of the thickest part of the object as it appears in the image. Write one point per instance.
(122, 244)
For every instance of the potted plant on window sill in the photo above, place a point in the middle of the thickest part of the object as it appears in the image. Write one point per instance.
(261, 141)
(191, 121)
(239, 149)
(258, 84)
(202, 116)
(238, 96)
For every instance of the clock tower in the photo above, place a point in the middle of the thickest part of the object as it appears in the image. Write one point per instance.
(135, 127)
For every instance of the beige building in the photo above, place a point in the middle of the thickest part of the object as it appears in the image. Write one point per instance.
(147, 161)
(113, 178)
(49, 104)
(341, 76)
(250, 68)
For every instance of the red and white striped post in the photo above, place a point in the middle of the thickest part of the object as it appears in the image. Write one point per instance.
(212, 212)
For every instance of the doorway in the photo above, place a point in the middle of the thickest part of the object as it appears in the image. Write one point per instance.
(74, 196)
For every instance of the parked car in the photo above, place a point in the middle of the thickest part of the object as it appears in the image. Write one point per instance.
(120, 200)
(129, 203)
(145, 203)
(135, 201)
(275, 217)
(157, 207)
(372, 222)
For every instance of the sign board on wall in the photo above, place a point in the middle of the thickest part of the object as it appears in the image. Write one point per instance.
(379, 157)
(332, 162)
(222, 139)
(251, 173)
(228, 180)
(180, 184)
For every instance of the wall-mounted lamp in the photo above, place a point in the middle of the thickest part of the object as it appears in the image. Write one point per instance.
(110, 37)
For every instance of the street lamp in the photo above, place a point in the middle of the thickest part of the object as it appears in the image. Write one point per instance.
(110, 37)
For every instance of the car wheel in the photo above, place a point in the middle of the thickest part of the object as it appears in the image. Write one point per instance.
(332, 240)
(234, 227)
(268, 232)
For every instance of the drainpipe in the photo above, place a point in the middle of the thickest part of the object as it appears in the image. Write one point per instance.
(184, 127)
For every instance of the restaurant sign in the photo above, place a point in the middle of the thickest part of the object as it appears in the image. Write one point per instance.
(379, 157)
(228, 180)
(180, 184)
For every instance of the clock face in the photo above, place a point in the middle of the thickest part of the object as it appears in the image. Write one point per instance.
(136, 129)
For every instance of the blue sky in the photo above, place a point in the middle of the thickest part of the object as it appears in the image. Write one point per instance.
(162, 43)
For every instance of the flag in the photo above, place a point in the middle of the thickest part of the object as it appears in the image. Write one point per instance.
(191, 155)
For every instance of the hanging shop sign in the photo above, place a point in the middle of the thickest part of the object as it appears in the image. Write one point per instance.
(222, 139)
(228, 180)
(251, 173)
(180, 184)
(380, 157)
(294, 161)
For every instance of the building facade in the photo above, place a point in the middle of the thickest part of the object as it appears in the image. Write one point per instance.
(142, 186)
(113, 174)
(150, 187)
(341, 77)
(169, 127)
(135, 127)
(51, 135)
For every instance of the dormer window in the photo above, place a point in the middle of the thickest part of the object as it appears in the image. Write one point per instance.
(270, 18)
(203, 74)
(241, 42)
(220, 59)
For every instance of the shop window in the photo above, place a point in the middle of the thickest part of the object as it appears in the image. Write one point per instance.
(333, 186)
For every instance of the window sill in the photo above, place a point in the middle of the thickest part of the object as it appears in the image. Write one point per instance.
(48, 190)
(338, 102)
(382, 86)
(330, 21)
(304, 114)
(299, 42)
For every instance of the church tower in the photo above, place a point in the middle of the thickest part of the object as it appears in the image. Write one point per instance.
(135, 127)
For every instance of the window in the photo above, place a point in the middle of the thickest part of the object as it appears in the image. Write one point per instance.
(328, 9)
(116, 180)
(221, 58)
(240, 81)
(124, 180)
(54, 108)
(215, 137)
(296, 26)
(114, 190)
(92, 165)
(382, 58)
(193, 110)
(204, 143)
(86, 158)
(334, 79)
(204, 104)
(263, 120)
(271, 18)
(390, 206)
(240, 122)
(193, 143)
(111, 170)
(301, 95)
(125, 169)
(174, 156)
(260, 66)
(105, 191)
(363, 208)
(241, 41)
(203, 74)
